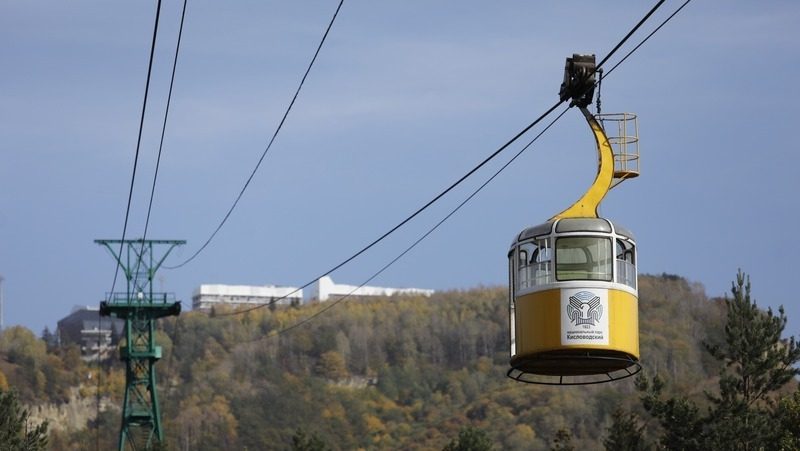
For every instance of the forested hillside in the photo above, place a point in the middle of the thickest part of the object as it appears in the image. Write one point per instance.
(392, 373)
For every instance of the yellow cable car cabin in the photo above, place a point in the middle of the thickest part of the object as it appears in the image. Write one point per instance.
(573, 299)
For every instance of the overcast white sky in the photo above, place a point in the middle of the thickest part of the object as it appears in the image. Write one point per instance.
(405, 98)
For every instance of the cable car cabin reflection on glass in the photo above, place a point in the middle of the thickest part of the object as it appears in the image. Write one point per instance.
(573, 301)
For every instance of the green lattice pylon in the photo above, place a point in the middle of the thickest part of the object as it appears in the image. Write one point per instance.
(140, 307)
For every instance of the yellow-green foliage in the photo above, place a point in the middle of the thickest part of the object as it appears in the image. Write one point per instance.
(36, 374)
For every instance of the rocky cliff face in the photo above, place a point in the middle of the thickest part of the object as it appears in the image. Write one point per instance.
(72, 415)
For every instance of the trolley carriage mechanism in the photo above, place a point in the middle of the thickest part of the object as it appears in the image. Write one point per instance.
(573, 298)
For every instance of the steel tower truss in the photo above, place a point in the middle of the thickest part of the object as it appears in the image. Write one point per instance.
(140, 307)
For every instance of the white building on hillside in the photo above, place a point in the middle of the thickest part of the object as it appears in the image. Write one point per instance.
(324, 289)
(207, 296)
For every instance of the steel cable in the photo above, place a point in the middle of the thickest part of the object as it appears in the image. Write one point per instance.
(468, 174)
(266, 150)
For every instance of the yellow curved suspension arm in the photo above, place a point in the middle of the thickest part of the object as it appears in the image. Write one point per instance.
(586, 206)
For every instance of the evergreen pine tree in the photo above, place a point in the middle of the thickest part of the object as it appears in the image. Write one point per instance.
(302, 442)
(470, 439)
(625, 433)
(756, 363)
(787, 419)
(679, 417)
(49, 338)
(16, 432)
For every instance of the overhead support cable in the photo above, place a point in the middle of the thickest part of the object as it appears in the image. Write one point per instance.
(269, 145)
(163, 131)
(164, 125)
(664, 22)
(412, 215)
(453, 185)
(489, 180)
(331, 304)
(138, 140)
(630, 33)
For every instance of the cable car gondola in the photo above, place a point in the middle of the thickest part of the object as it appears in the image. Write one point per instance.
(573, 299)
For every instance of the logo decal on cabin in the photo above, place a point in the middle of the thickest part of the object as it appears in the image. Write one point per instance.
(584, 308)
(584, 316)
